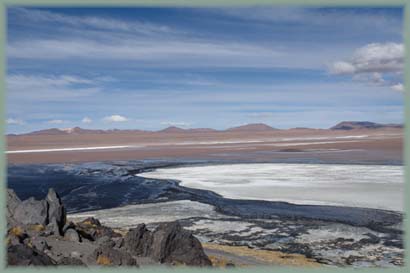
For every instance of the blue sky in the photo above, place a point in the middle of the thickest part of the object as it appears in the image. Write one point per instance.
(150, 68)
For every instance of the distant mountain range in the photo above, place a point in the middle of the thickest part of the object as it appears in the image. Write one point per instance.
(253, 127)
(352, 125)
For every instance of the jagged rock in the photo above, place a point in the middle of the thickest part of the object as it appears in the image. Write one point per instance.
(12, 203)
(172, 244)
(56, 209)
(32, 211)
(24, 255)
(138, 241)
(70, 261)
(106, 255)
(72, 235)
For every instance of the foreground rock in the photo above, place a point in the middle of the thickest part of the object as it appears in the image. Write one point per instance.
(38, 234)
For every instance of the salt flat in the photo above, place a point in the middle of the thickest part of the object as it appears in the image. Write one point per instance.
(370, 186)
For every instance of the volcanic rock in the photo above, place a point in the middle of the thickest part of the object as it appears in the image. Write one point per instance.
(172, 244)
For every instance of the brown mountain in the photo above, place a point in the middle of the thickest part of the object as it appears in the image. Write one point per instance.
(354, 125)
(172, 129)
(253, 127)
(52, 131)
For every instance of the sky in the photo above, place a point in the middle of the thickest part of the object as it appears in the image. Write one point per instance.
(150, 68)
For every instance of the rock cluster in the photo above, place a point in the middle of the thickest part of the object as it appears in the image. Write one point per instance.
(39, 234)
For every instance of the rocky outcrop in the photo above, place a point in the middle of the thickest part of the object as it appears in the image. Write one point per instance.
(36, 212)
(38, 234)
(169, 243)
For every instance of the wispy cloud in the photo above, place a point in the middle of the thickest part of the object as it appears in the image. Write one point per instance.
(165, 52)
(49, 88)
(176, 123)
(56, 121)
(95, 22)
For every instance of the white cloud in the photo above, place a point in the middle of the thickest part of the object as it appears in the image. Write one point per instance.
(86, 120)
(115, 118)
(176, 123)
(13, 121)
(56, 121)
(375, 57)
(397, 87)
(372, 62)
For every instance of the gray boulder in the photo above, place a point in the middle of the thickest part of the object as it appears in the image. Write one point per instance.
(32, 211)
(72, 235)
(172, 244)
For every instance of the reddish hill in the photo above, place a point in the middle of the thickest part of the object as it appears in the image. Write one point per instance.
(253, 127)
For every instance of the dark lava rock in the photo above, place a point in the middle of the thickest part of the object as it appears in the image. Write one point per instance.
(172, 244)
(106, 255)
(138, 241)
(31, 211)
(22, 255)
(56, 209)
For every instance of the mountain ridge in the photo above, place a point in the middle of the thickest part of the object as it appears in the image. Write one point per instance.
(251, 127)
